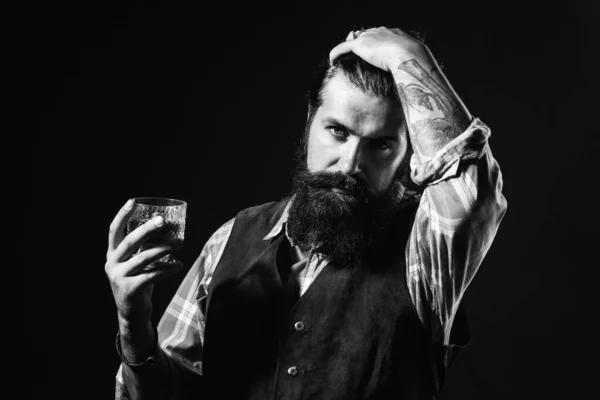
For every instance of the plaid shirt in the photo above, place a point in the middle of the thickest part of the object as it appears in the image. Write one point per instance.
(457, 218)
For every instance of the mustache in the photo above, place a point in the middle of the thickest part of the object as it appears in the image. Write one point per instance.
(334, 180)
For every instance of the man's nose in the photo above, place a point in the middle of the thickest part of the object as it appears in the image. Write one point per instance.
(350, 162)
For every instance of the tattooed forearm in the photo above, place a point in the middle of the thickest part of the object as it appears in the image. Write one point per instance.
(433, 113)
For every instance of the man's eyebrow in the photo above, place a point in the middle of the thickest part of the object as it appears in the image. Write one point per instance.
(391, 138)
(335, 122)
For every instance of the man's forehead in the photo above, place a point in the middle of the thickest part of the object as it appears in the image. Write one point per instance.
(348, 104)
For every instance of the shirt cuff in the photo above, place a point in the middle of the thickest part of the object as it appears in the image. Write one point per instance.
(469, 145)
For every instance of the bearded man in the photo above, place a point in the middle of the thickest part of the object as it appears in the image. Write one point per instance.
(349, 287)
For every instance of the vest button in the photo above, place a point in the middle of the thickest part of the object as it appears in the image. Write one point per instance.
(299, 326)
(293, 371)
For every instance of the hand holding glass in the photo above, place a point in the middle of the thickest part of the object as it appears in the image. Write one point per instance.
(173, 212)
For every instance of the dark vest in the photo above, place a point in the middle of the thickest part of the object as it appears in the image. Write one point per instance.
(354, 334)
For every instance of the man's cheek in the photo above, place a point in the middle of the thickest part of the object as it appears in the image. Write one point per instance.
(315, 160)
(382, 184)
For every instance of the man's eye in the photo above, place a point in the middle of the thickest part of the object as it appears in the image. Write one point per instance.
(381, 145)
(337, 132)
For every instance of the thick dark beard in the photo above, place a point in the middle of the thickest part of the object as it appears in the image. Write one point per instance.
(344, 227)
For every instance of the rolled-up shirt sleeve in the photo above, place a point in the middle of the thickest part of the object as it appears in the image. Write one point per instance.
(458, 216)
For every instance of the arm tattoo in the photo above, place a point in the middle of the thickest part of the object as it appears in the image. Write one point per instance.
(433, 113)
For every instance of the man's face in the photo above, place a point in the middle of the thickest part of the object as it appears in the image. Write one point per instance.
(357, 134)
(346, 190)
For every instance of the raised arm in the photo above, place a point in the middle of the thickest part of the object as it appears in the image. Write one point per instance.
(434, 113)
(462, 204)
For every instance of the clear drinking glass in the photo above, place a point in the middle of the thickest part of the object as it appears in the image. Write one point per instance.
(173, 211)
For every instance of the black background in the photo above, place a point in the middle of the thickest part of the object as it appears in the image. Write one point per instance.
(206, 101)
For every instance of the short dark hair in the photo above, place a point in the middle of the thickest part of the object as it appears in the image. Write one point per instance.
(364, 76)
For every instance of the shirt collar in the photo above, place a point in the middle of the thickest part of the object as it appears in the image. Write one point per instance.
(280, 223)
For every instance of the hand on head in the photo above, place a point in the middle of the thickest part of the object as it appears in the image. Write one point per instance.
(382, 47)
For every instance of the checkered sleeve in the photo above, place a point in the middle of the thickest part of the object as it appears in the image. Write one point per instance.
(458, 215)
(181, 328)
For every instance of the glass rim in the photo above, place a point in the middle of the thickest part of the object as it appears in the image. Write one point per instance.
(144, 201)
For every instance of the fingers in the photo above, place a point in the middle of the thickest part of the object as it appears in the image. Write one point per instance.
(342, 48)
(116, 232)
(132, 242)
(138, 262)
(349, 45)
(158, 272)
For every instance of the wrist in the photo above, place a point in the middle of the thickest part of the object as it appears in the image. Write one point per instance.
(134, 316)
(137, 342)
(414, 51)
(130, 322)
(134, 360)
